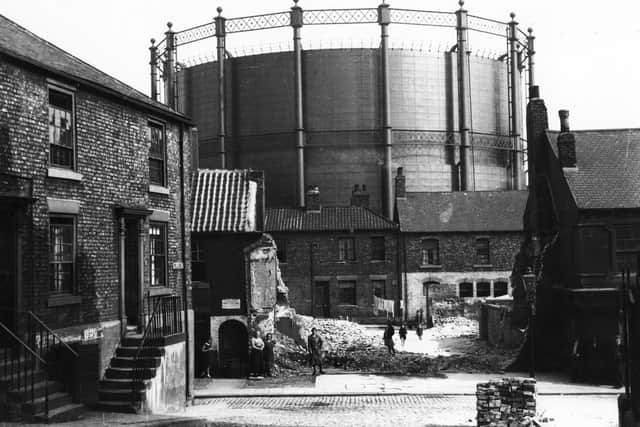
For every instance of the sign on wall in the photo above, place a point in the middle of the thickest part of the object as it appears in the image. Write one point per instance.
(230, 304)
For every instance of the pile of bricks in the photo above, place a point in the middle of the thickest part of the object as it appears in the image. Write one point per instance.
(510, 402)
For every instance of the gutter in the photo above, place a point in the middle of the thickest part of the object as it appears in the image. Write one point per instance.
(185, 286)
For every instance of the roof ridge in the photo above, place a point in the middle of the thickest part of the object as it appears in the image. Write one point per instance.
(131, 89)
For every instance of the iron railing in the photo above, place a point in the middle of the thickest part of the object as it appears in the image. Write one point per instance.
(20, 366)
(165, 320)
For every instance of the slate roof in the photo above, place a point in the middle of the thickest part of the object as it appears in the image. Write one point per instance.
(476, 211)
(608, 168)
(223, 201)
(22, 44)
(329, 218)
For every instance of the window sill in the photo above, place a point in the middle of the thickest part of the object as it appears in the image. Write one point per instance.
(482, 265)
(61, 173)
(347, 305)
(346, 262)
(58, 300)
(200, 284)
(160, 291)
(374, 261)
(433, 266)
(158, 189)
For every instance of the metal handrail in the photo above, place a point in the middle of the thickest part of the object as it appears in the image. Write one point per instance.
(137, 373)
(37, 319)
(22, 343)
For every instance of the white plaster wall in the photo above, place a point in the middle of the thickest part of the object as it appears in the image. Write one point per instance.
(167, 390)
(415, 284)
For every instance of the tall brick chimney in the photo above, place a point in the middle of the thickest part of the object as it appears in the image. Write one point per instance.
(566, 142)
(401, 186)
(312, 199)
(360, 197)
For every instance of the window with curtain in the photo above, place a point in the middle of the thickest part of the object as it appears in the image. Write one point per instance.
(158, 253)
(61, 254)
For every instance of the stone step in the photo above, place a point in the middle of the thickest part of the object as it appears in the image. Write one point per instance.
(121, 395)
(68, 412)
(130, 362)
(123, 351)
(129, 373)
(39, 390)
(56, 400)
(120, 384)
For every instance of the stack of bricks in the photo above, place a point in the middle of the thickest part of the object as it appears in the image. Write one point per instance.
(510, 402)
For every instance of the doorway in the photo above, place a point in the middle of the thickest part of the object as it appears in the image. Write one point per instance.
(132, 272)
(321, 300)
(7, 270)
(234, 352)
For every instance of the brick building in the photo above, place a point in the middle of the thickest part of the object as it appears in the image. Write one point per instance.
(94, 197)
(234, 265)
(457, 245)
(583, 228)
(334, 259)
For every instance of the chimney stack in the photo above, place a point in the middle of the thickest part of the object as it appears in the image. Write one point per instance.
(566, 142)
(401, 190)
(312, 199)
(360, 197)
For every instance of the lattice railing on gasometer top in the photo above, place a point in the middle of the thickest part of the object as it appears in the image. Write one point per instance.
(423, 17)
(196, 33)
(340, 16)
(258, 22)
(488, 26)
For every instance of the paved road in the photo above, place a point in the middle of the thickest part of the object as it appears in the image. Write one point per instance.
(399, 410)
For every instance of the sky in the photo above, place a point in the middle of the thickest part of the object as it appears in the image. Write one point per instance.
(586, 52)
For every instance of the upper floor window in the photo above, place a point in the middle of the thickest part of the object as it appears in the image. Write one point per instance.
(157, 150)
(158, 253)
(282, 250)
(62, 247)
(430, 252)
(198, 271)
(61, 129)
(377, 249)
(482, 251)
(346, 249)
(465, 290)
(500, 288)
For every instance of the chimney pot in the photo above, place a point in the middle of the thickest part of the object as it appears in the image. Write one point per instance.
(564, 120)
(360, 197)
(401, 190)
(312, 199)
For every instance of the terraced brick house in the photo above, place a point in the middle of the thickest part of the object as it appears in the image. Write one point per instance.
(94, 239)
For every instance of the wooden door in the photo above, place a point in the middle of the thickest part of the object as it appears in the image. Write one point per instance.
(321, 300)
(131, 273)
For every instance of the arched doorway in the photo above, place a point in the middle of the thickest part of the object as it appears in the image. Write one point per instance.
(234, 350)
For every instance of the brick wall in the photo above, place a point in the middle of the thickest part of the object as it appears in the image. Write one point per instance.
(112, 157)
(313, 257)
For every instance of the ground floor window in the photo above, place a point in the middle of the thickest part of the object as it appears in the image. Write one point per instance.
(62, 248)
(500, 289)
(378, 288)
(158, 253)
(465, 290)
(483, 289)
(347, 292)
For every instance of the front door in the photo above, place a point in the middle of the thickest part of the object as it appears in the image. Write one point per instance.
(7, 270)
(131, 272)
(321, 300)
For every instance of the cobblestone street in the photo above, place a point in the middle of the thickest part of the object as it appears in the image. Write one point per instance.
(407, 410)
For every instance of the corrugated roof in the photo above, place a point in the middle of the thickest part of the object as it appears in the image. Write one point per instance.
(223, 201)
(329, 218)
(22, 44)
(608, 168)
(475, 211)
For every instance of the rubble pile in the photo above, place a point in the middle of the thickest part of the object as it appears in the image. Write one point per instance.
(510, 402)
(349, 346)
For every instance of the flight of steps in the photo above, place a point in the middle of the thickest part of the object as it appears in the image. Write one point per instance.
(118, 391)
(18, 403)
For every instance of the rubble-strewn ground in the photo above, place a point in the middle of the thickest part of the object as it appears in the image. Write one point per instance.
(451, 345)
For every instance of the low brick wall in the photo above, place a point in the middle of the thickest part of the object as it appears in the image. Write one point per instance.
(509, 402)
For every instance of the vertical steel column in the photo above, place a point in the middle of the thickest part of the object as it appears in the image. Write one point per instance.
(296, 21)
(531, 65)
(220, 37)
(467, 176)
(170, 68)
(515, 104)
(384, 19)
(153, 62)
